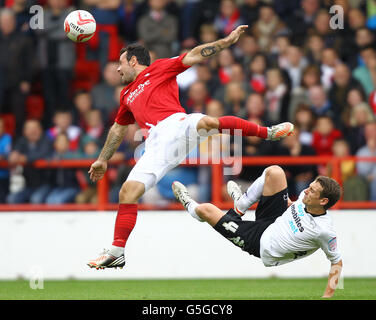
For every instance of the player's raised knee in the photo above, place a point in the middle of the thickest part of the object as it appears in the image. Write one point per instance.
(274, 172)
(275, 180)
(207, 123)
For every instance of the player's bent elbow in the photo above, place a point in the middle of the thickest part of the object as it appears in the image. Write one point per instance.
(119, 129)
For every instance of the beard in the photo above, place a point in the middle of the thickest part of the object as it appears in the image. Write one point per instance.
(127, 78)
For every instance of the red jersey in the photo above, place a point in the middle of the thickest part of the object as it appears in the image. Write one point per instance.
(323, 144)
(153, 95)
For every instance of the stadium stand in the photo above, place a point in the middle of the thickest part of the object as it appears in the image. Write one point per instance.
(288, 58)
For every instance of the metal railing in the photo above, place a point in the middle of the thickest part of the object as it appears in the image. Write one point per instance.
(217, 181)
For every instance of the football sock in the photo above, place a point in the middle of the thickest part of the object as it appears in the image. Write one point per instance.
(191, 208)
(247, 128)
(124, 224)
(252, 195)
(116, 251)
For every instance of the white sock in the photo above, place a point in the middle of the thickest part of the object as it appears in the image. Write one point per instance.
(192, 210)
(252, 195)
(116, 251)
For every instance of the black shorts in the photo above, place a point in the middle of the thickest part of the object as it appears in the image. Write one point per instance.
(247, 234)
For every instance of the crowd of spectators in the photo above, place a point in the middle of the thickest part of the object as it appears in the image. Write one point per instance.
(293, 64)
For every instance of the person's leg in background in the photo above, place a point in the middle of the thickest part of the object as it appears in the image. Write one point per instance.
(62, 195)
(19, 197)
(4, 189)
(39, 194)
(373, 189)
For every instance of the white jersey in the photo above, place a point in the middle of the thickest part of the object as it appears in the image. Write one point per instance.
(297, 234)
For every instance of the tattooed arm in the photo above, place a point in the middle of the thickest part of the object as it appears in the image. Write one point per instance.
(114, 138)
(202, 52)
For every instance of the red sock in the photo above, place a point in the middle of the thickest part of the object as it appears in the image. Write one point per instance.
(248, 128)
(124, 224)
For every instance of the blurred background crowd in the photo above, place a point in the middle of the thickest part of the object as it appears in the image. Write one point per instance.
(58, 99)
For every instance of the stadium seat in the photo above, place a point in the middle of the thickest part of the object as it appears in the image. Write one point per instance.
(9, 123)
(87, 74)
(34, 107)
(114, 45)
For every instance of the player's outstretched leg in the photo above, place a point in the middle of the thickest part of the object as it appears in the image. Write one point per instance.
(181, 194)
(229, 124)
(272, 180)
(202, 212)
(125, 221)
(235, 192)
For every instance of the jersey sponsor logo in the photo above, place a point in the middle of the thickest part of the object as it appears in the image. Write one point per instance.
(237, 241)
(230, 226)
(135, 93)
(332, 244)
(300, 210)
(297, 225)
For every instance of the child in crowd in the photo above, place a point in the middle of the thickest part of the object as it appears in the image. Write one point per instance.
(64, 181)
(63, 123)
(324, 136)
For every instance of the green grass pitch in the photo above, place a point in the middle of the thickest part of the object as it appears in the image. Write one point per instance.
(208, 289)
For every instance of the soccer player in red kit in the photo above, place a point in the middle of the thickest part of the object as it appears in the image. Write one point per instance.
(151, 99)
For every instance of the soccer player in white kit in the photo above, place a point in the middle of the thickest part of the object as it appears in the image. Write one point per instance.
(283, 231)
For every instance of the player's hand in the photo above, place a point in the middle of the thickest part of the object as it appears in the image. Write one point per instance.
(235, 34)
(97, 170)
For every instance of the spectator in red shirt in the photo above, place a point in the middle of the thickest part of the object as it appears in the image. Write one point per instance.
(225, 61)
(228, 18)
(324, 136)
(257, 73)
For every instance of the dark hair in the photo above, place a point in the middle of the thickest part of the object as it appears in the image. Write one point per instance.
(62, 110)
(79, 92)
(267, 5)
(367, 47)
(62, 134)
(363, 28)
(330, 189)
(312, 68)
(139, 51)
